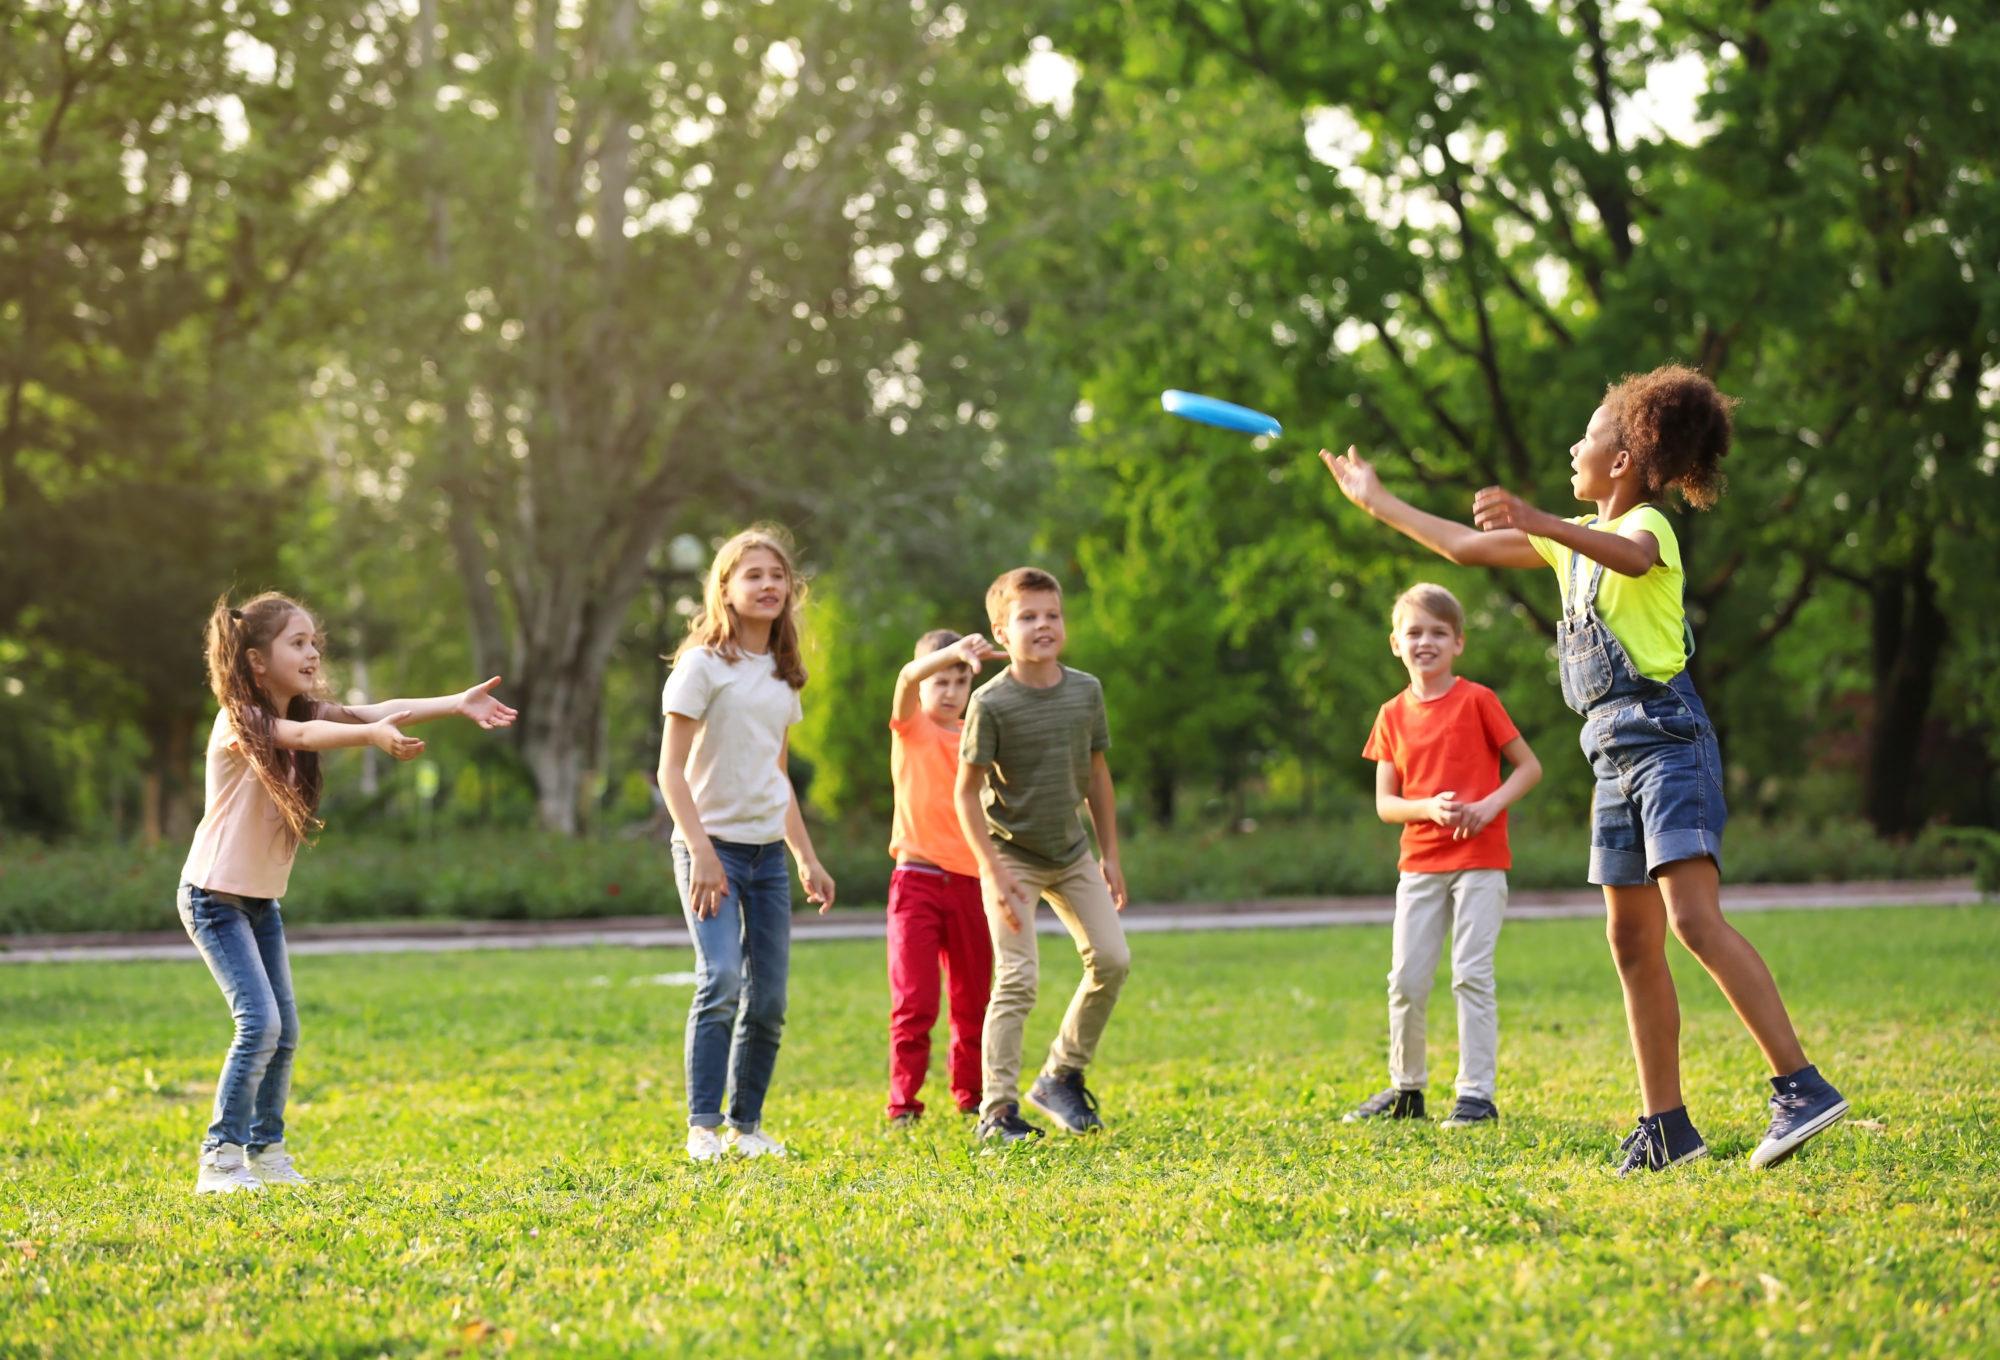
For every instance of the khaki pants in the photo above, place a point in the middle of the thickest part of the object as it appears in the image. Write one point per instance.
(1083, 904)
(1470, 905)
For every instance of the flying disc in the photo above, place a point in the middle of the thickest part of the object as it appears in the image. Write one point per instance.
(1225, 415)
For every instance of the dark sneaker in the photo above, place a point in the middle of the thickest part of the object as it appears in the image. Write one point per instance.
(1007, 1125)
(904, 1119)
(1389, 1104)
(1063, 1097)
(1472, 1110)
(1805, 1105)
(1660, 1141)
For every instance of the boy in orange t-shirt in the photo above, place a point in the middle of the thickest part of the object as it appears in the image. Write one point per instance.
(1439, 745)
(935, 913)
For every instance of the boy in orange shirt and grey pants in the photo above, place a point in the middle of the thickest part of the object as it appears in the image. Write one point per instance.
(1439, 745)
(935, 911)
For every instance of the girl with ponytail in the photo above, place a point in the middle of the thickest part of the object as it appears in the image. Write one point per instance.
(261, 803)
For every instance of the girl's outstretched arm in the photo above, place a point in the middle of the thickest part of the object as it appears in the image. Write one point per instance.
(321, 734)
(1455, 542)
(477, 704)
(1499, 511)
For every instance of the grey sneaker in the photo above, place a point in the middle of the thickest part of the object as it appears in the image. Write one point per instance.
(1472, 1110)
(1063, 1097)
(1389, 1104)
(1007, 1125)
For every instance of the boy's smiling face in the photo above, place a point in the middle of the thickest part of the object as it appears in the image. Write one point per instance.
(1426, 643)
(1034, 630)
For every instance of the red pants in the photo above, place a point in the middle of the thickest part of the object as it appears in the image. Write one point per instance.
(935, 916)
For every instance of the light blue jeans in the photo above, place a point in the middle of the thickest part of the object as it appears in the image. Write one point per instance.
(242, 940)
(742, 957)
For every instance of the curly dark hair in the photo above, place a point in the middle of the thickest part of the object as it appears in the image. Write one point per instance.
(1676, 425)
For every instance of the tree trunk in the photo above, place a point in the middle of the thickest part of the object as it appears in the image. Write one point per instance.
(1161, 791)
(1908, 638)
(168, 797)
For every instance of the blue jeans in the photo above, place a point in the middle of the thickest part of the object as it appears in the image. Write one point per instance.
(742, 956)
(242, 940)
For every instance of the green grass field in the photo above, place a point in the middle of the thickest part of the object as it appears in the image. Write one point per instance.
(496, 1144)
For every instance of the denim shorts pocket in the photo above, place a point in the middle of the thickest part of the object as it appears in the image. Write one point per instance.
(1669, 717)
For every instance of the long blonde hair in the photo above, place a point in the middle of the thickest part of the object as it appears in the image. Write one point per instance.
(292, 778)
(715, 625)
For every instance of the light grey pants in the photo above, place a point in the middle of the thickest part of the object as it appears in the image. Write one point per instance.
(1470, 905)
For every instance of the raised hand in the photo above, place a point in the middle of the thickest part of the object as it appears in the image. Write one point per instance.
(1354, 475)
(389, 735)
(1498, 508)
(974, 651)
(479, 705)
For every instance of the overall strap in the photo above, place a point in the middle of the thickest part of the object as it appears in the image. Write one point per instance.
(1580, 601)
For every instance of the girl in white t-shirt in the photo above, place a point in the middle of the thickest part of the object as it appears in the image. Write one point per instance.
(263, 787)
(731, 697)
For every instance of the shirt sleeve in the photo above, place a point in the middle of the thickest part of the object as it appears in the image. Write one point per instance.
(1381, 738)
(979, 741)
(689, 686)
(1545, 548)
(1651, 520)
(1494, 718)
(1100, 725)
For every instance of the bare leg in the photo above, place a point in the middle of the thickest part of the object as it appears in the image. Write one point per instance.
(1636, 925)
(1693, 892)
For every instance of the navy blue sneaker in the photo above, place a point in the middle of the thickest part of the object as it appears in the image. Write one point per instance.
(1063, 1097)
(1007, 1125)
(1661, 1140)
(1803, 1106)
(1389, 1104)
(1471, 1110)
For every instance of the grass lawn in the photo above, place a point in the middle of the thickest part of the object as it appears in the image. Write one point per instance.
(496, 1146)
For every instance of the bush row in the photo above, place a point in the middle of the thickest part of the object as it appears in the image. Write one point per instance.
(520, 875)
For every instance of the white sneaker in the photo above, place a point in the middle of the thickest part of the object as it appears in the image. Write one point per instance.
(273, 1165)
(756, 1143)
(224, 1172)
(704, 1145)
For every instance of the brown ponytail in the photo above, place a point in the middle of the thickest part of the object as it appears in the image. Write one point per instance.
(292, 778)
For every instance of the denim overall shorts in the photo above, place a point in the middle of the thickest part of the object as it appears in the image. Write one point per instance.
(1659, 771)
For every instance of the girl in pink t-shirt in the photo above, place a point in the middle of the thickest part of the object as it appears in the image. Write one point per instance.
(263, 787)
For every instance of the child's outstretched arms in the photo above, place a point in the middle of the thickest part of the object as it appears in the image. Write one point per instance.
(477, 704)
(971, 651)
(1460, 543)
(335, 734)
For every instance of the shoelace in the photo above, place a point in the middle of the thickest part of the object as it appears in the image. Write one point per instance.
(1645, 1145)
(1790, 1103)
(1083, 1093)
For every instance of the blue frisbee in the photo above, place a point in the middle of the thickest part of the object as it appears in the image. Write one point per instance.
(1224, 415)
